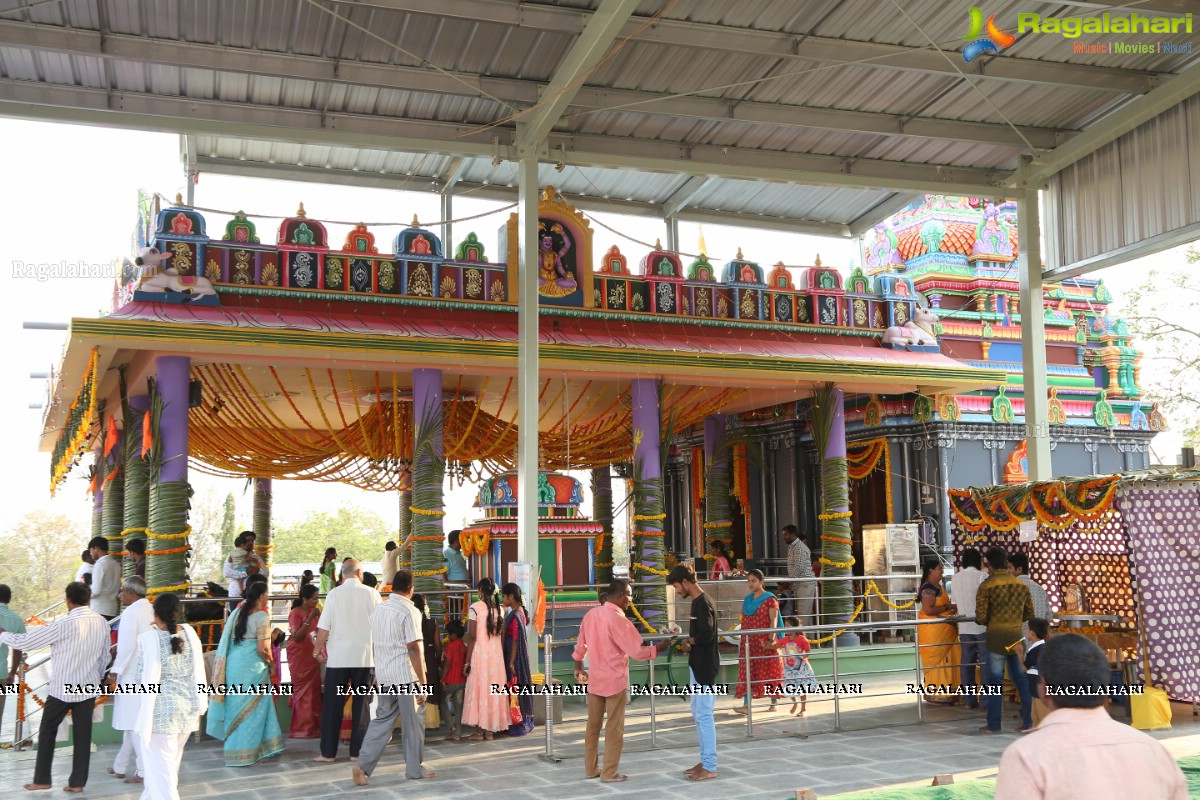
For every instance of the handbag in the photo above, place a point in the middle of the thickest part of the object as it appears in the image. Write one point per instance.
(514, 704)
(433, 716)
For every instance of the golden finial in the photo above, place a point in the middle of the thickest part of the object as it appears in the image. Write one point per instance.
(300, 211)
(817, 261)
(658, 244)
(740, 257)
(178, 199)
(703, 246)
(416, 223)
(779, 264)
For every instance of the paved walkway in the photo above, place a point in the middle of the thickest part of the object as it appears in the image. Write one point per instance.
(881, 744)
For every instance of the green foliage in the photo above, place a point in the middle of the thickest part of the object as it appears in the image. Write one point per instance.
(38, 558)
(354, 531)
(1170, 334)
(229, 521)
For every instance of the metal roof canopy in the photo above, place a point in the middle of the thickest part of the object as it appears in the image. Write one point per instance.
(820, 118)
(729, 99)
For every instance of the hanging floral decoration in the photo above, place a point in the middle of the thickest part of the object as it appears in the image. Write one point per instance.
(68, 449)
(863, 457)
(1054, 504)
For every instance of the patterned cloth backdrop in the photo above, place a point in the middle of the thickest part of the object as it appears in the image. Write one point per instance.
(1160, 519)
(1094, 555)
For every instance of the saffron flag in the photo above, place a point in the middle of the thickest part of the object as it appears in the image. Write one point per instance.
(147, 434)
(110, 439)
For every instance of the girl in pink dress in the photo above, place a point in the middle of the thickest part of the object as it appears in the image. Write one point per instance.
(485, 665)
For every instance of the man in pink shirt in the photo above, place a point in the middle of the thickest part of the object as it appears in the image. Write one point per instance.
(609, 641)
(1078, 750)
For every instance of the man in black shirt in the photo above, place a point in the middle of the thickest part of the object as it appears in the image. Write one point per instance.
(703, 665)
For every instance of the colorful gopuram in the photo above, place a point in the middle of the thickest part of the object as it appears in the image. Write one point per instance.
(727, 394)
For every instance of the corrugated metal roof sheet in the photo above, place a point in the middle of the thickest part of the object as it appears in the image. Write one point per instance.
(434, 34)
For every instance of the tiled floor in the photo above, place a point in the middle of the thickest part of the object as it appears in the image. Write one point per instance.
(881, 743)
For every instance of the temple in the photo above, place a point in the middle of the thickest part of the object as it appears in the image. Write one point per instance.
(728, 395)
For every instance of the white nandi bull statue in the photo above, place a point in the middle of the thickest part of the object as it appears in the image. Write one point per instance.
(154, 278)
(916, 334)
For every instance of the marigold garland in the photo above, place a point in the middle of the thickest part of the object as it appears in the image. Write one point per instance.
(863, 457)
(649, 628)
(836, 515)
(178, 588)
(648, 517)
(1004, 511)
(161, 536)
(857, 610)
(838, 564)
(427, 512)
(873, 587)
(172, 552)
(837, 539)
(721, 524)
(483, 538)
(640, 567)
(69, 447)
(426, 573)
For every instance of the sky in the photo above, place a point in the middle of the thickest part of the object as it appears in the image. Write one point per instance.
(71, 197)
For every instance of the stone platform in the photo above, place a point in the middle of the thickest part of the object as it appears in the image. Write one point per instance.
(881, 744)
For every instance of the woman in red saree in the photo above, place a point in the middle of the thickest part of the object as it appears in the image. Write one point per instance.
(306, 671)
(760, 610)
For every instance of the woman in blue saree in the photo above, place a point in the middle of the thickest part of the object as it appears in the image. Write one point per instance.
(243, 711)
(516, 658)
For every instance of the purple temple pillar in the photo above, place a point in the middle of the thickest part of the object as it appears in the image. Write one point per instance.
(837, 596)
(836, 447)
(648, 556)
(428, 474)
(168, 503)
(174, 375)
(714, 434)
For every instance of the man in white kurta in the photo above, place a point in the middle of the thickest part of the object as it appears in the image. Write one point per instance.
(137, 618)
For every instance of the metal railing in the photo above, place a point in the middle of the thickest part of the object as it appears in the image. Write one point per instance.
(837, 676)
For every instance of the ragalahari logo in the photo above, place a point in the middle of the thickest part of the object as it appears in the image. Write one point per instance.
(986, 37)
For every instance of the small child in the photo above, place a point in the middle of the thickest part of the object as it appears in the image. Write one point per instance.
(1035, 637)
(798, 675)
(454, 680)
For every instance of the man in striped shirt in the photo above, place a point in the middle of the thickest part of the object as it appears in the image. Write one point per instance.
(78, 645)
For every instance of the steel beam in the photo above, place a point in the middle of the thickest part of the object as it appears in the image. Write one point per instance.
(454, 174)
(684, 194)
(585, 54)
(1033, 338)
(1122, 255)
(1112, 127)
(516, 93)
(789, 48)
(159, 112)
(879, 213)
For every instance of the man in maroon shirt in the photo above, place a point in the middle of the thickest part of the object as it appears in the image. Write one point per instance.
(608, 640)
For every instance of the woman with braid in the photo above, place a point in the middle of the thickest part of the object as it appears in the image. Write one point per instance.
(171, 660)
(485, 665)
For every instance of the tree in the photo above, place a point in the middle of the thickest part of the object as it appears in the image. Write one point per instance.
(229, 523)
(208, 540)
(352, 530)
(1170, 332)
(40, 556)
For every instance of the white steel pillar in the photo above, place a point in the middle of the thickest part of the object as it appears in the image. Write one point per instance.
(672, 234)
(527, 361)
(1033, 337)
(447, 227)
